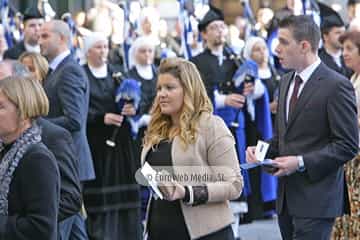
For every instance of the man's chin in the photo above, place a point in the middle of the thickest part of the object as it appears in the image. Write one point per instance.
(219, 43)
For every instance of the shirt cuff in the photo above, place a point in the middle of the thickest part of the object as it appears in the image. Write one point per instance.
(301, 164)
(189, 195)
(219, 99)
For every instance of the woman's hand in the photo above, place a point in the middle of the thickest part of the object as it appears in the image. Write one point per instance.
(171, 190)
(128, 110)
(113, 119)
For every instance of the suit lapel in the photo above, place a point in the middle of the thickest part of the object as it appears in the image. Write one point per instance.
(310, 86)
(50, 79)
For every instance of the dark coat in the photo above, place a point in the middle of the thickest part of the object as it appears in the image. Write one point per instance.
(323, 129)
(33, 198)
(213, 75)
(329, 61)
(60, 143)
(67, 88)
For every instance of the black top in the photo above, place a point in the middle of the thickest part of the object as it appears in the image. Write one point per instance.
(102, 96)
(271, 85)
(33, 198)
(330, 62)
(165, 217)
(148, 89)
(15, 51)
(215, 75)
(60, 143)
(114, 187)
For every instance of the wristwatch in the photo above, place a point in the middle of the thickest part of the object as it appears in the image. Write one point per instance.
(301, 165)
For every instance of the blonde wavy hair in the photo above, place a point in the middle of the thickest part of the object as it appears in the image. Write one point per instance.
(41, 66)
(196, 102)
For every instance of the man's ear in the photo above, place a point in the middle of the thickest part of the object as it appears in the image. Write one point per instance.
(324, 36)
(203, 35)
(305, 46)
(63, 39)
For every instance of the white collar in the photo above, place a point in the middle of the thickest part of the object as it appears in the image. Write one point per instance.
(308, 71)
(31, 48)
(58, 59)
(145, 72)
(219, 54)
(336, 55)
(99, 72)
(264, 73)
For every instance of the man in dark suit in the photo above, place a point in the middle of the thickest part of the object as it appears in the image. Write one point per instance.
(67, 88)
(332, 26)
(32, 23)
(316, 134)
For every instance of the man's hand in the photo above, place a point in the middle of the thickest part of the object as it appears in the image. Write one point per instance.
(128, 110)
(250, 155)
(273, 106)
(235, 100)
(286, 165)
(113, 119)
(248, 88)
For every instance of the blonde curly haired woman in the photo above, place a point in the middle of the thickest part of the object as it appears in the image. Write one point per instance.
(186, 139)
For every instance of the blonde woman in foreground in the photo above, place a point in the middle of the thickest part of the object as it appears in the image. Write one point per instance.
(197, 152)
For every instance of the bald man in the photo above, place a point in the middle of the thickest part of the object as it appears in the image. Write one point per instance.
(67, 88)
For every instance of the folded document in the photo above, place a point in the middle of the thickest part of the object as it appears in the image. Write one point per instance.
(150, 175)
(265, 163)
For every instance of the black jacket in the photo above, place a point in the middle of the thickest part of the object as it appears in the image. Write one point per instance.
(33, 198)
(329, 61)
(67, 88)
(213, 75)
(60, 143)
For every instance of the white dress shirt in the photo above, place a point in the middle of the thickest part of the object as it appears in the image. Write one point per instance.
(305, 76)
(58, 59)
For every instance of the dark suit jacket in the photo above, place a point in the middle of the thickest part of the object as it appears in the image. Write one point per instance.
(67, 88)
(15, 51)
(213, 75)
(329, 61)
(323, 129)
(33, 197)
(60, 143)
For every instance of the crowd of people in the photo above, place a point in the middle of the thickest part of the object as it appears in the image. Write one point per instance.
(73, 135)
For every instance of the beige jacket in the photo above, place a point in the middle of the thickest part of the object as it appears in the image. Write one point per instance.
(214, 146)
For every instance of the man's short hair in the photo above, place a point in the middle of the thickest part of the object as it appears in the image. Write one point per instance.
(61, 28)
(303, 27)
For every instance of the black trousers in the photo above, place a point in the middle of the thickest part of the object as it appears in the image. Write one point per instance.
(223, 234)
(296, 228)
